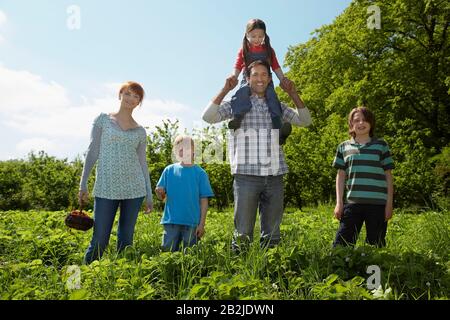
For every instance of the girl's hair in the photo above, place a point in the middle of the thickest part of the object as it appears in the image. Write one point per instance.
(252, 25)
(134, 87)
(368, 117)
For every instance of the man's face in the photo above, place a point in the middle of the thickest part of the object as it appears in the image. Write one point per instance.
(259, 80)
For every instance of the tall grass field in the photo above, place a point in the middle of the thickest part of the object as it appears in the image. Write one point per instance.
(40, 258)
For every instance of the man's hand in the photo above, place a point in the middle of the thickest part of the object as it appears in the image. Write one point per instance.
(160, 193)
(291, 90)
(287, 85)
(230, 83)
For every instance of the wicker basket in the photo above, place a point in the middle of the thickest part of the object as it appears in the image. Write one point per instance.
(79, 220)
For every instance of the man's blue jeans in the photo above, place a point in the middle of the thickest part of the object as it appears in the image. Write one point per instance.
(251, 193)
(104, 214)
(176, 234)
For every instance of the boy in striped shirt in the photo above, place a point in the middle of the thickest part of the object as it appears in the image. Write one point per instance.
(364, 166)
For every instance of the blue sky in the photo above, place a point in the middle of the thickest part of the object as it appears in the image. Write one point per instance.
(54, 81)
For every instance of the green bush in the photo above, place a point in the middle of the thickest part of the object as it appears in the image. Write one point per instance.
(309, 154)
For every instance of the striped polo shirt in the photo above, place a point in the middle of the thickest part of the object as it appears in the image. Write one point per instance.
(364, 165)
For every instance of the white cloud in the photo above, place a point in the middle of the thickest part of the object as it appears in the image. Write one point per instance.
(2, 22)
(2, 18)
(22, 91)
(37, 114)
(36, 144)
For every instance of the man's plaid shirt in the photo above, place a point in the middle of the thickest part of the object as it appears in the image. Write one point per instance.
(254, 148)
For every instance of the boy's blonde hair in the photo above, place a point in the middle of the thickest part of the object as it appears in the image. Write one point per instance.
(180, 138)
(181, 142)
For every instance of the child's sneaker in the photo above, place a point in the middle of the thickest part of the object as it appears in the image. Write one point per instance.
(276, 122)
(285, 131)
(235, 123)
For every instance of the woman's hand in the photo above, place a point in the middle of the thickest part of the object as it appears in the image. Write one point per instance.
(83, 197)
(148, 207)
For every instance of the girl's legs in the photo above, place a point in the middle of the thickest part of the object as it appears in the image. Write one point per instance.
(276, 113)
(274, 106)
(240, 105)
(129, 210)
(104, 213)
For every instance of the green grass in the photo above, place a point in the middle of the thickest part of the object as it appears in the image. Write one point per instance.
(36, 250)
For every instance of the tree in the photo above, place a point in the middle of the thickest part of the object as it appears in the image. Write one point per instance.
(400, 70)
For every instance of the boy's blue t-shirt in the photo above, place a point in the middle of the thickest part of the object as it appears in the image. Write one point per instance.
(184, 187)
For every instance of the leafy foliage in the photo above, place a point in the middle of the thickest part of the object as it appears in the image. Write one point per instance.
(37, 255)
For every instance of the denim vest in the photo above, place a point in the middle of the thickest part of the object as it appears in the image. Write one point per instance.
(253, 56)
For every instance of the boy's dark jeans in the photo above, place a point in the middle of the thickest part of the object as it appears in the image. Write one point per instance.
(352, 220)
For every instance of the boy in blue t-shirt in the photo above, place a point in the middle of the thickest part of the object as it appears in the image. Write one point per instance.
(185, 187)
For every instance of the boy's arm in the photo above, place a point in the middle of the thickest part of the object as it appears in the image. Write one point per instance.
(388, 211)
(340, 183)
(203, 209)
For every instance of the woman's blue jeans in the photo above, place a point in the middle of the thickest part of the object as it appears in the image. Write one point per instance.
(104, 214)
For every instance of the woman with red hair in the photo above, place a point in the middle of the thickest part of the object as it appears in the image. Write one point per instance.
(118, 146)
